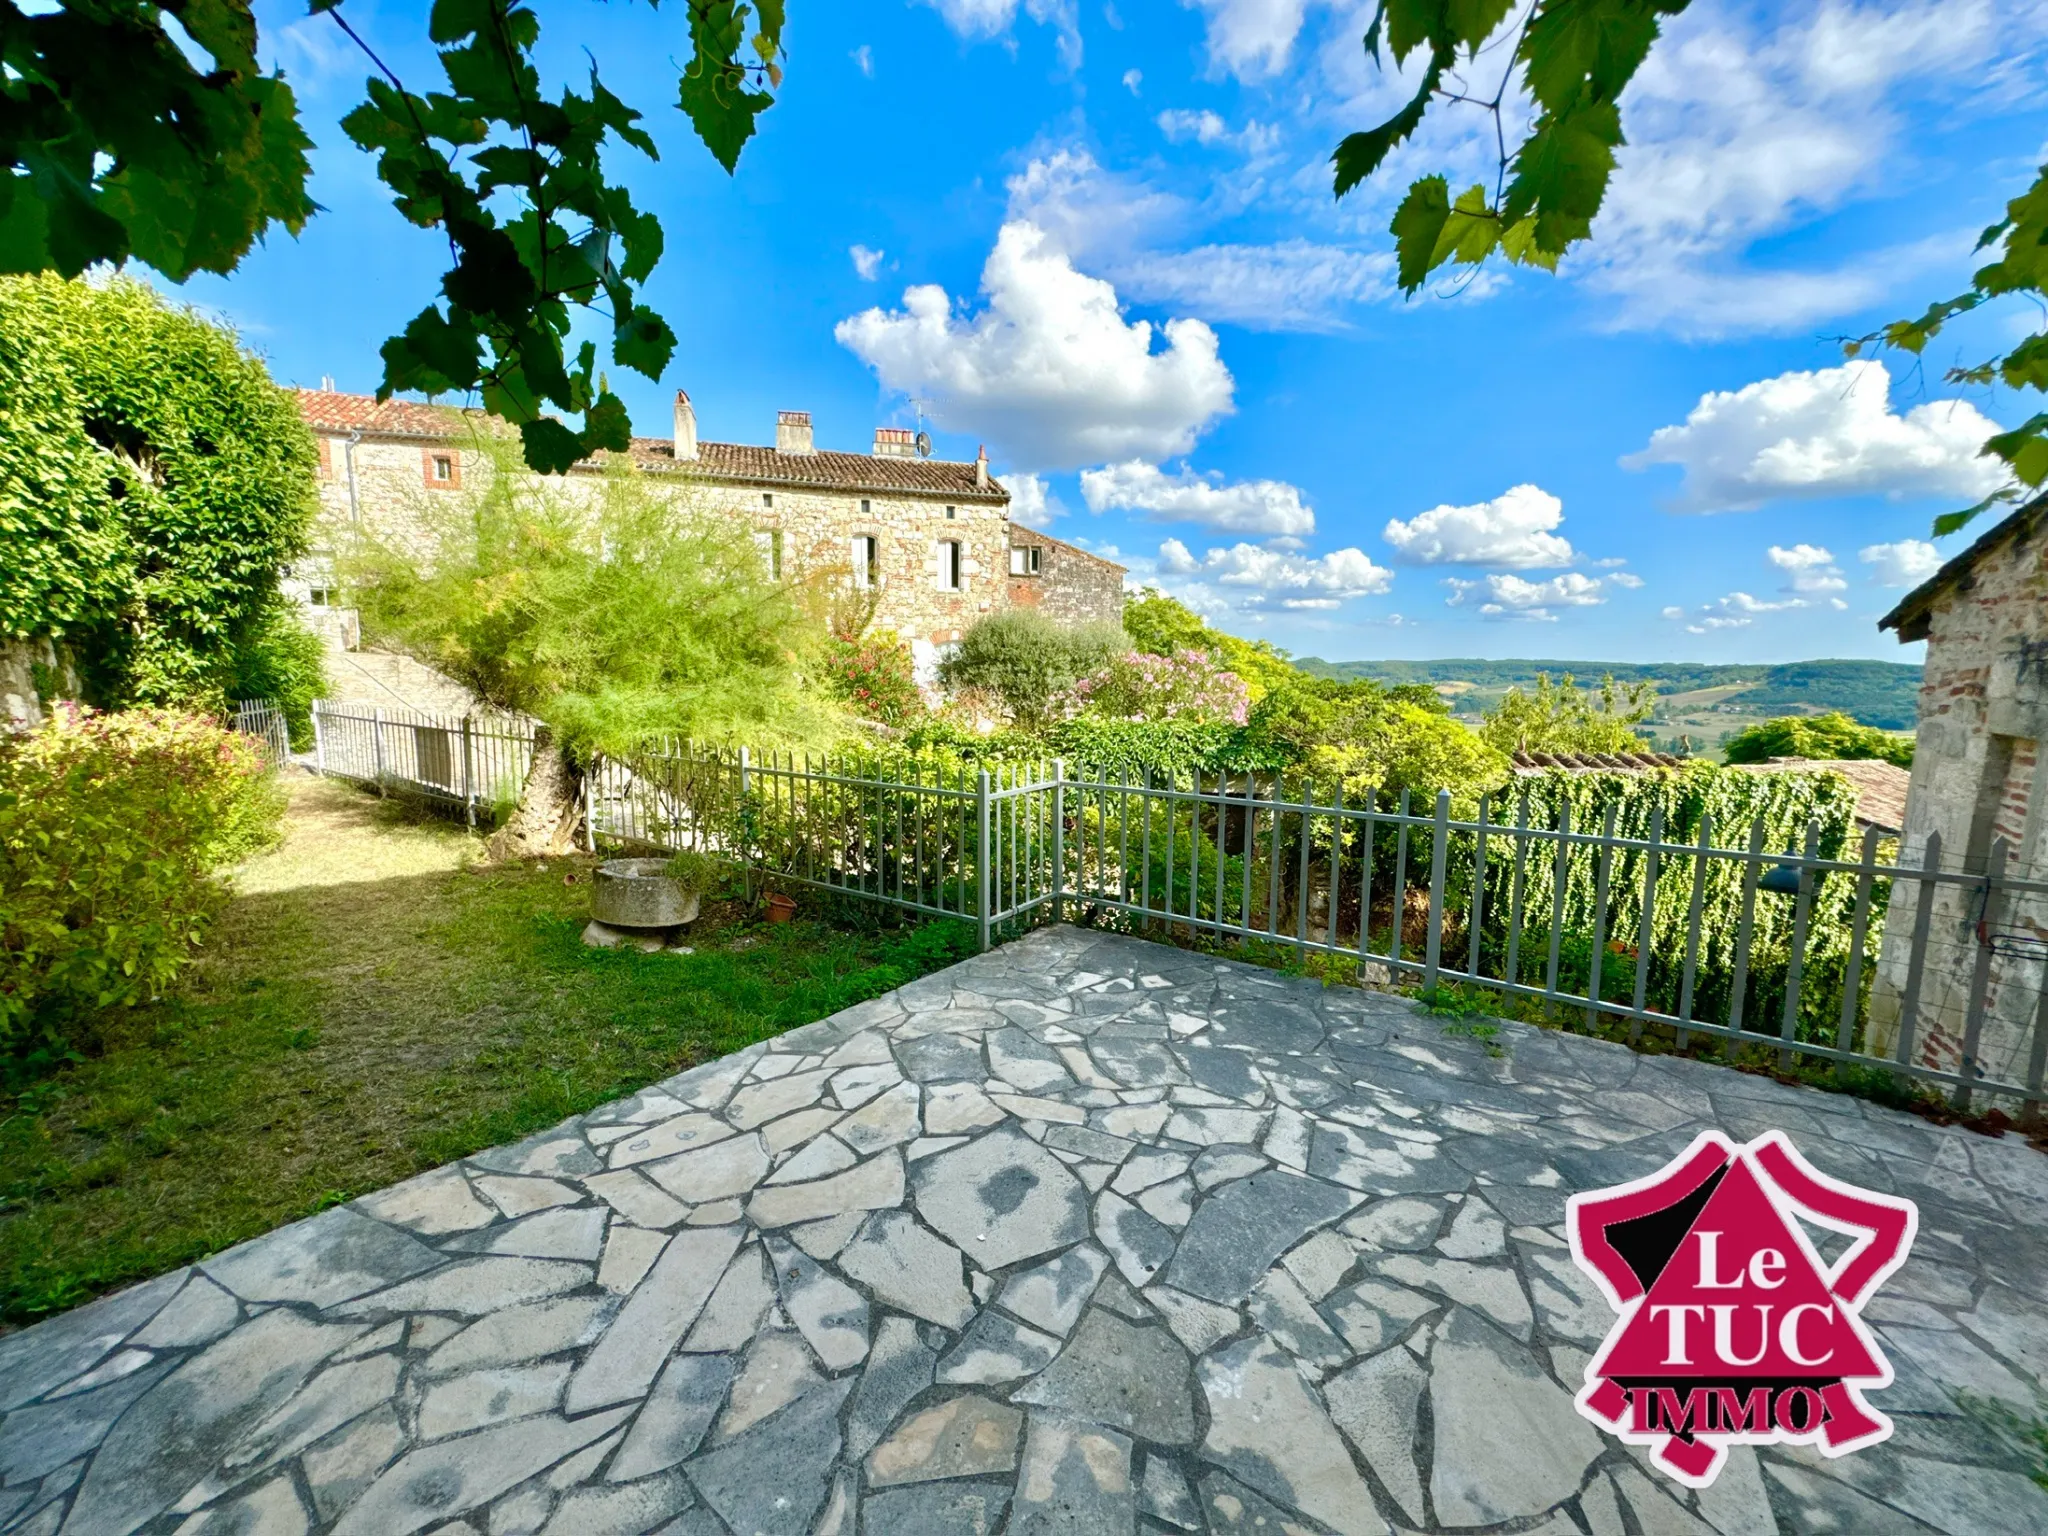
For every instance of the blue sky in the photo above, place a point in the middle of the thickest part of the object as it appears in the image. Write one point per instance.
(1099, 238)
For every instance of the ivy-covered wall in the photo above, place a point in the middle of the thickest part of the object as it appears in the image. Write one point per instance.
(153, 483)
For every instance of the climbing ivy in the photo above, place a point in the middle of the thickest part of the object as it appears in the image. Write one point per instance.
(1729, 804)
(153, 482)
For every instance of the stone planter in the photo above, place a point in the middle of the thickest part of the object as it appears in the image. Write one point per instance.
(637, 894)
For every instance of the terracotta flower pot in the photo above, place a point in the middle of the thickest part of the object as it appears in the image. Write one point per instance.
(781, 908)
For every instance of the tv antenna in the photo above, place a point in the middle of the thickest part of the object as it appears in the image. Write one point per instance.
(924, 438)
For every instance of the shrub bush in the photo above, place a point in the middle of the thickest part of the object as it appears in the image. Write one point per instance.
(1563, 717)
(113, 832)
(1024, 659)
(1832, 736)
(1188, 685)
(875, 677)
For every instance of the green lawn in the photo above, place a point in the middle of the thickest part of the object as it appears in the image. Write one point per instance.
(368, 1007)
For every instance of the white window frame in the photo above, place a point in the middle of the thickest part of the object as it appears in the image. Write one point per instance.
(865, 552)
(1026, 560)
(769, 542)
(952, 566)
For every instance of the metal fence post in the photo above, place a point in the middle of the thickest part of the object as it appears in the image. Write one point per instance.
(468, 777)
(319, 743)
(1980, 974)
(746, 824)
(981, 869)
(377, 746)
(1433, 950)
(1059, 838)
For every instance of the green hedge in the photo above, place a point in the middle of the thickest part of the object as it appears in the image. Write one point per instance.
(153, 483)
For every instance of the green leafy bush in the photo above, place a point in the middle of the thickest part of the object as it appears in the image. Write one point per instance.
(1162, 625)
(113, 831)
(277, 658)
(1563, 717)
(1024, 658)
(153, 482)
(1831, 736)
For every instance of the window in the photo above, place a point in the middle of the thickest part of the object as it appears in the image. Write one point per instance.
(951, 513)
(863, 506)
(441, 468)
(867, 560)
(949, 565)
(1024, 559)
(321, 597)
(769, 542)
(768, 498)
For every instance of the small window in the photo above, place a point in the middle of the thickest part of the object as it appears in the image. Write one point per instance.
(949, 565)
(769, 542)
(444, 469)
(863, 507)
(951, 513)
(767, 498)
(1024, 559)
(319, 597)
(867, 560)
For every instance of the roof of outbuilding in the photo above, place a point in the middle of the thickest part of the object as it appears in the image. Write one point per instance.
(738, 463)
(1593, 762)
(1880, 786)
(1915, 611)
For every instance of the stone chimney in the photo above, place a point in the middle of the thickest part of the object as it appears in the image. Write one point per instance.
(895, 443)
(793, 432)
(981, 468)
(686, 427)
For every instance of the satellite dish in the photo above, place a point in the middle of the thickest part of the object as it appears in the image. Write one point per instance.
(924, 445)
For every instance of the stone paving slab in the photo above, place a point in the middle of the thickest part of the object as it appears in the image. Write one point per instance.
(1087, 1235)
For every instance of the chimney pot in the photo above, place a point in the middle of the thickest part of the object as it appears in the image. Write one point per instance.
(793, 432)
(981, 468)
(686, 428)
(895, 442)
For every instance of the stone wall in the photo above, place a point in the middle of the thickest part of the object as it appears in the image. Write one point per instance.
(1977, 777)
(397, 494)
(1070, 584)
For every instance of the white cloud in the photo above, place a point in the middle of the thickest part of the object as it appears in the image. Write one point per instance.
(1248, 506)
(864, 60)
(1743, 124)
(1904, 564)
(1829, 432)
(1811, 571)
(1050, 369)
(1515, 529)
(1182, 125)
(1294, 285)
(1251, 39)
(1032, 502)
(1627, 579)
(867, 263)
(1133, 78)
(1255, 576)
(1503, 596)
(1088, 211)
(976, 19)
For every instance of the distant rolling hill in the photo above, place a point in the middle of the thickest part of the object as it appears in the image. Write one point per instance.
(1880, 693)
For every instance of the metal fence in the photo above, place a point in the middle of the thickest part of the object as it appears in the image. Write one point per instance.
(1717, 935)
(266, 722)
(474, 763)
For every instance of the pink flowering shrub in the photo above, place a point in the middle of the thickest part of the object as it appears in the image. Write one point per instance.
(1188, 685)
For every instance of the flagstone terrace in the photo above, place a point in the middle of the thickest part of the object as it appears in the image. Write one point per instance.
(1083, 1235)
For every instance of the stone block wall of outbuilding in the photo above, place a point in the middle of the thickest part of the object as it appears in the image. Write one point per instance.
(1978, 776)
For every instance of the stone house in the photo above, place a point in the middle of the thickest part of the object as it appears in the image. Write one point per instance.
(1979, 781)
(930, 538)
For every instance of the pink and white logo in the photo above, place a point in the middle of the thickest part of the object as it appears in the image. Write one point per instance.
(1733, 1330)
